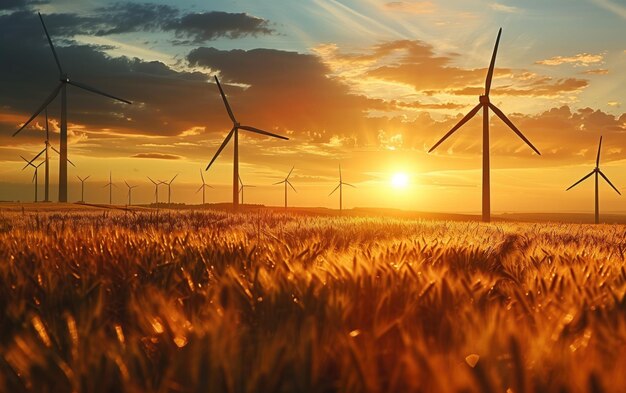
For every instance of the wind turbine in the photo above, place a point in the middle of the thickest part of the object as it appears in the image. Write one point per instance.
(110, 185)
(286, 181)
(597, 172)
(82, 187)
(340, 187)
(45, 150)
(130, 188)
(169, 189)
(64, 80)
(242, 187)
(35, 176)
(235, 131)
(486, 104)
(156, 191)
(203, 186)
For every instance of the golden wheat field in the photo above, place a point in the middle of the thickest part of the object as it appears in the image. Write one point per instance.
(267, 302)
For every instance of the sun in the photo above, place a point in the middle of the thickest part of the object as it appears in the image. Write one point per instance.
(399, 180)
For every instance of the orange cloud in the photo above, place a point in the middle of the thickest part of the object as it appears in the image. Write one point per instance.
(581, 59)
(411, 7)
(598, 71)
(157, 156)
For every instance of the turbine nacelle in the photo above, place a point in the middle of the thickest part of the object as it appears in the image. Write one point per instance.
(484, 100)
(64, 78)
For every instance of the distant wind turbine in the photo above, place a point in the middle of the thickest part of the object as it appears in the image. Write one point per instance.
(597, 172)
(486, 104)
(169, 189)
(64, 80)
(110, 185)
(35, 176)
(340, 187)
(156, 189)
(45, 150)
(203, 187)
(242, 186)
(130, 188)
(82, 187)
(287, 182)
(235, 131)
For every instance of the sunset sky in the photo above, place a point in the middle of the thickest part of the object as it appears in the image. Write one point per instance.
(370, 84)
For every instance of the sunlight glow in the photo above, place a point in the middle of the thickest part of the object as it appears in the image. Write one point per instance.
(400, 180)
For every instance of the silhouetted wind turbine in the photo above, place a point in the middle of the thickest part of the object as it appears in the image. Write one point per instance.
(82, 187)
(48, 145)
(110, 185)
(35, 176)
(235, 131)
(156, 190)
(64, 80)
(486, 104)
(287, 182)
(169, 189)
(130, 188)
(242, 188)
(340, 187)
(203, 187)
(597, 172)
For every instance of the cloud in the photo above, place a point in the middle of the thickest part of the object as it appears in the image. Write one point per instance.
(409, 62)
(505, 8)
(208, 26)
(19, 4)
(411, 7)
(598, 71)
(157, 156)
(581, 59)
(614, 104)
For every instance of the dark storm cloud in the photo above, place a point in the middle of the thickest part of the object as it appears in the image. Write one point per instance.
(126, 17)
(131, 17)
(18, 4)
(209, 26)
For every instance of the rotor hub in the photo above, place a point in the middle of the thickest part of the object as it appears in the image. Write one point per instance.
(484, 100)
(237, 125)
(64, 78)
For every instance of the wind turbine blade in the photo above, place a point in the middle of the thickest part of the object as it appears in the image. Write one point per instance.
(508, 122)
(340, 181)
(199, 189)
(126, 184)
(87, 177)
(201, 176)
(280, 182)
(492, 65)
(54, 52)
(348, 184)
(581, 180)
(608, 181)
(292, 187)
(259, 131)
(78, 177)
(599, 147)
(464, 120)
(226, 140)
(290, 173)
(153, 182)
(37, 156)
(41, 108)
(171, 181)
(96, 91)
(230, 112)
(240, 182)
(40, 164)
(336, 188)
(34, 176)
(59, 153)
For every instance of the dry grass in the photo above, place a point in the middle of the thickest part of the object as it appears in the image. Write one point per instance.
(259, 302)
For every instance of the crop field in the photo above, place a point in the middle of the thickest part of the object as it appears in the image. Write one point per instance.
(208, 301)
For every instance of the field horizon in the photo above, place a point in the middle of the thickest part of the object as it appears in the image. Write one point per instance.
(563, 217)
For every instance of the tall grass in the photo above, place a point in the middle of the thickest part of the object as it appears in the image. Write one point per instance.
(197, 302)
